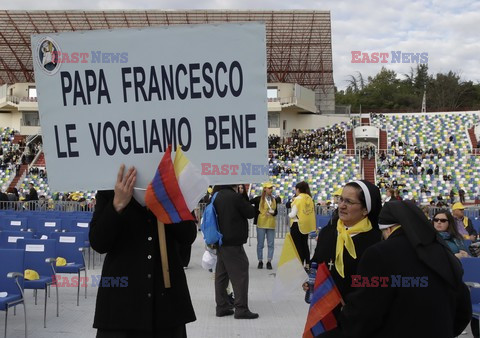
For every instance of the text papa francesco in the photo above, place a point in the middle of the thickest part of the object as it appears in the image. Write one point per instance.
(166, 82)
(154, 136)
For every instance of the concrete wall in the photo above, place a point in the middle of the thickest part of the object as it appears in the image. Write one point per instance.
(289, 94)
(310, 121)
(11, 119)
(325, 101)
(30, 130)
(20, 90)
(6, 119)
(366, 132)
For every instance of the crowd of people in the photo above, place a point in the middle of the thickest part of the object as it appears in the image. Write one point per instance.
(314, 144)
(350, 244)
(411, 165)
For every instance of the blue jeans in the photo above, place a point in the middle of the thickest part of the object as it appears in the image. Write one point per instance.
(261, 233)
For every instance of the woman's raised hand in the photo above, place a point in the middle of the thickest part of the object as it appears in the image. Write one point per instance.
(124, 187)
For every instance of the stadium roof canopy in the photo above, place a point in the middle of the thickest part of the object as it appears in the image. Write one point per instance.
(299, 46)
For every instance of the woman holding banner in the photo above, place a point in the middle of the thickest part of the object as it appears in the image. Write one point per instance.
(302, 220)
(140, 305)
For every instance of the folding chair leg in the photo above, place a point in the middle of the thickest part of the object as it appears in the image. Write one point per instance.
(78, 289)
(56, 286)
(6, 317)
(86, 283)
(45, 310)
(93, 258)
(25, 314)
(14, 310)
(88, 257)
(35, 294)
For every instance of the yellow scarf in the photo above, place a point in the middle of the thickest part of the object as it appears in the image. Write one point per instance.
(265, 219)
(306, 214)
(465, 221)
(345, 240)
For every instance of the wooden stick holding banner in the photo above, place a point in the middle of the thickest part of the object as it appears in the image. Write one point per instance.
(165, 198)
(163, 254)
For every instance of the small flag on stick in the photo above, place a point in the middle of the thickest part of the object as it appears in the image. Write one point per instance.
(173, 193)
(325, 299)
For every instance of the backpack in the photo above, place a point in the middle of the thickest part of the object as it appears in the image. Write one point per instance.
(209, 226)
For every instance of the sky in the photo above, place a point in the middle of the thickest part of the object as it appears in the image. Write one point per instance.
(447, 30)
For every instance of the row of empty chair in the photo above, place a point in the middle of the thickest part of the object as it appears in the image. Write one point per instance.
(35, 264)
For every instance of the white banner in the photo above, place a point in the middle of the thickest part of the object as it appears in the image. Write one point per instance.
(121, 96)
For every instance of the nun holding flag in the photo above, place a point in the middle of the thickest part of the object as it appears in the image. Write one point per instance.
(423, 295)
(343, 241)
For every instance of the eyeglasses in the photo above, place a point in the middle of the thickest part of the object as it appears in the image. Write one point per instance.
(347, 201)
(441, 220)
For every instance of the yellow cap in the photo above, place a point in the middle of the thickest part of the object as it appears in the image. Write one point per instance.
(31, 274)
(458, 206)
(209, 190)
(61, 261)
(267, 185)
(338, 192)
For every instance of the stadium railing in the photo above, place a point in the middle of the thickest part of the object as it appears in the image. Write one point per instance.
(47, 206)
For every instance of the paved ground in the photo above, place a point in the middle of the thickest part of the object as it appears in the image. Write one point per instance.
(284, 319)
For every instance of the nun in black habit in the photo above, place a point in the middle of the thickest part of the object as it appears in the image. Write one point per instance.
(346, 237)
(357, 224)
(424, 295)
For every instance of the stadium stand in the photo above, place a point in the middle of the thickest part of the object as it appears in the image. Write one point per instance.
(418, 144)
(316, 156)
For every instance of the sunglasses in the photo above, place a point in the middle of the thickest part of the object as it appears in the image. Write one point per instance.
(441, 220)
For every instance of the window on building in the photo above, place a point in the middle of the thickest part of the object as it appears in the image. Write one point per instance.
(30, 119)
(32, 92)
(272, 93)
(274, 120)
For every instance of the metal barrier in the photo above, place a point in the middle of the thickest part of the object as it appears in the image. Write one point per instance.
(46, 206)
(283, 222)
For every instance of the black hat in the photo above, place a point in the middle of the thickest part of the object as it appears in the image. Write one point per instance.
(421, 234)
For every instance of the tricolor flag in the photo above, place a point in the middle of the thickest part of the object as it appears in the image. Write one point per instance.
(290, 273)
(325, 298)
(175, 189)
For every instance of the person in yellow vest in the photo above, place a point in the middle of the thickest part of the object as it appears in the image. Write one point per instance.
(266, 210)
(302, 220)
(463, 223)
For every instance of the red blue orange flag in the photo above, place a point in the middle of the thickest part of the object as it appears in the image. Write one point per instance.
(164, 196)
(325, 298)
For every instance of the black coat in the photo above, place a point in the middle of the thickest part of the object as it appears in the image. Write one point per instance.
(326, 248)
(233, 212)
(32, 195)
(130, 240)
(435, 310)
